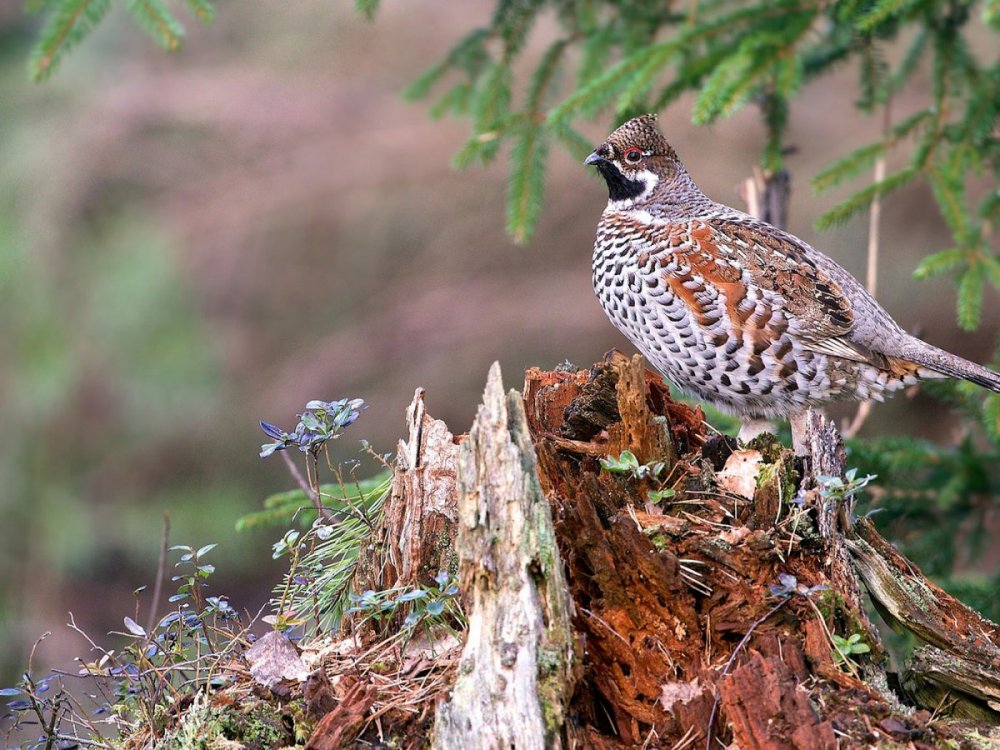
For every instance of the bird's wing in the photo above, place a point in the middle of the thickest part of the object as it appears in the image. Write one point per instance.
(763, 275)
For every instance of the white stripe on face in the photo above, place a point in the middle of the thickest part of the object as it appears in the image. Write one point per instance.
(649, 181)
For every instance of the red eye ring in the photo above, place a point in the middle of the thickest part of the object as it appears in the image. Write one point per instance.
(633, 155)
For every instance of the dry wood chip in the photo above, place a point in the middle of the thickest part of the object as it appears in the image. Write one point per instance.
(672, 693)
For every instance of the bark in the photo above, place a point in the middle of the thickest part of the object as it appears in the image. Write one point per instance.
(601, 618)
(514, 675)
(415, 540)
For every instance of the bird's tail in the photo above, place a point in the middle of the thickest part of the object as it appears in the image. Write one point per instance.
(940, 361)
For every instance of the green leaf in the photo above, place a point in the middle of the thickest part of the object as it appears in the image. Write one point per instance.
(991, 416)
(727, 88)
(882, 11)
(157, 20)
(469, 55)
(848, 166)
(642, 79)
(903, 128)
(527, 182)
(423, 84)
(970, 297)
(491, 107)
(949, 192)
(991, 268)
(542, 79)
(367, 8)
(575, 142)
(863, 198)
(940, 262)
(991, 13)
(68, 23)
(594, 54)
(914, 54)
(596, 94)
(203, 10)
(599, 92)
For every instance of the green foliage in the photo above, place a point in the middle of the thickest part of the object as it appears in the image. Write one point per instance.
(936, 503)
(634, 57)
(294, 506)
(845, 648)
(68, 22)
(729, 53)
(338, 518)
(137, 684)
(323, 559)
(629, 465)
(834, 489)
(433, 606)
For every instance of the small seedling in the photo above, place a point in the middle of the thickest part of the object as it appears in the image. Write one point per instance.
(628, 464)
(845, 648)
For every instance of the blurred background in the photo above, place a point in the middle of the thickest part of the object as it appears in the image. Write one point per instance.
(195, 241)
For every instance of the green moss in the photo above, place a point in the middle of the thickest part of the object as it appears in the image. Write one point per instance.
(769, 447)
(980, 741)
(259, 727)
(657, 538)
(768, 474)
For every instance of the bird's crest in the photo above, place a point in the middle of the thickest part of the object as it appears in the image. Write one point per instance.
(640, 132)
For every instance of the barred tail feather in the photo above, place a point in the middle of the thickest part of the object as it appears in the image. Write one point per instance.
(947, 364)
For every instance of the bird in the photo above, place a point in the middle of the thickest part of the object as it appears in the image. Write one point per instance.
(736, 311)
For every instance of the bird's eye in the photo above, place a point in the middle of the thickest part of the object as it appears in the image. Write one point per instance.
(633, 155)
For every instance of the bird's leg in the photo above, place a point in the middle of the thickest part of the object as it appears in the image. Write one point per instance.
(751, 428)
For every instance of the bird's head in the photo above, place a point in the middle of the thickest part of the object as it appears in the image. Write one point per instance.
(634, 160)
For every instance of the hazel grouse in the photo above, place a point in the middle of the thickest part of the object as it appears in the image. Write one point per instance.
(733, 310)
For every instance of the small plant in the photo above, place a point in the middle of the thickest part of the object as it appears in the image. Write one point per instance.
(835, 488)
(845, 648)
(323, 556)
(132, 688)
(321, 422)
(788, 585)
(629, 465)
(434, 605)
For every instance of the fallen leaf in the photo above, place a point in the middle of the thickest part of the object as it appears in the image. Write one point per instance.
(274, 659)
(739, 475)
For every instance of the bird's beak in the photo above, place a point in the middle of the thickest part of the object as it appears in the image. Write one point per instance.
(593, 159)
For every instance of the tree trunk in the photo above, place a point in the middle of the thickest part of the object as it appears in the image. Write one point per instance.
(605, 611)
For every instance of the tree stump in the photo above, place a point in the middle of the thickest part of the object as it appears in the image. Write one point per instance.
(701, 606)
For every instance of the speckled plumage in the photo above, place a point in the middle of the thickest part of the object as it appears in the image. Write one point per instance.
(738, 312)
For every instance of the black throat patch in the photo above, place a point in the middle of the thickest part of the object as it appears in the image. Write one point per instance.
(619, 187)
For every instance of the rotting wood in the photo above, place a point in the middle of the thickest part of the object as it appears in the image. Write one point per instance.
(660, 597)
(959, 671)
(341, 726)
(965, 688)
(515, 672)
(664, 593)
(416, 539)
